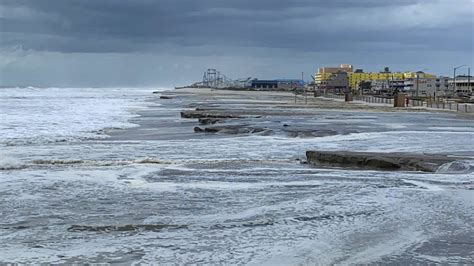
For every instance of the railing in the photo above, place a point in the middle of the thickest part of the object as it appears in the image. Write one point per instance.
(373, 99)
(334, 96)
(429, 103)
(459, 107)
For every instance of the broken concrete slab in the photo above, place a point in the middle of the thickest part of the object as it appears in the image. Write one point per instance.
(379, 161)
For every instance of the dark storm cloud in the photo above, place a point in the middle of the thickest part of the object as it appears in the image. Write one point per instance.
(169, 42)
(99, 26)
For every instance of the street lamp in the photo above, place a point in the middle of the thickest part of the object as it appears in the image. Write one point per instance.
(454, 77)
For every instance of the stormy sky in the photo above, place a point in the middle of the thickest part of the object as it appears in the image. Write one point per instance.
(171, 42)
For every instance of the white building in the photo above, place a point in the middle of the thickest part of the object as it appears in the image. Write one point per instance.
(464, 85)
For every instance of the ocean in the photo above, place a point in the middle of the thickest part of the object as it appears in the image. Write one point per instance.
(115, 175)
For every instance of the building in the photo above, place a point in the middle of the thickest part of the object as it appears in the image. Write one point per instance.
(464, 85)
(288, 84)
(324, 74)
(264, 84)
(421, 87)
(382, 78)
(282, 84)
(387, 81)
(396, 85)
(365, 87)
(380, 81)
(442, 86)
(337, 82)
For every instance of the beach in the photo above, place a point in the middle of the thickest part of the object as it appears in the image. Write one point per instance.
(201, 176)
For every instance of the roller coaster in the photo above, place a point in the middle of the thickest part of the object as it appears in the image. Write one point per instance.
(214, 79)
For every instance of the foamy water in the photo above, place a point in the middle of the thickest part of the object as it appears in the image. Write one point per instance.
(34, 115)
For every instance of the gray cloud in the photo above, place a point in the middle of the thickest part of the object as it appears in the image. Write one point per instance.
(255, 29)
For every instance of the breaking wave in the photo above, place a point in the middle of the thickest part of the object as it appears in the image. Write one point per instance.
(10, 164)
(42, 116)
(457, 167)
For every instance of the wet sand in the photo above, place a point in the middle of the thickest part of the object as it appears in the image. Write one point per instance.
(255, 107)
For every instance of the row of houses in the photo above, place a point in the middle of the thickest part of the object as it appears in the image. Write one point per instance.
(419, 84)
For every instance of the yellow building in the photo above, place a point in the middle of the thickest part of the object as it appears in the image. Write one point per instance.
(326, 73)
(356, 77)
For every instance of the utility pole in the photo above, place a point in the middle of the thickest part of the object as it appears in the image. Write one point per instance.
(417, 83)
(304, 87)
